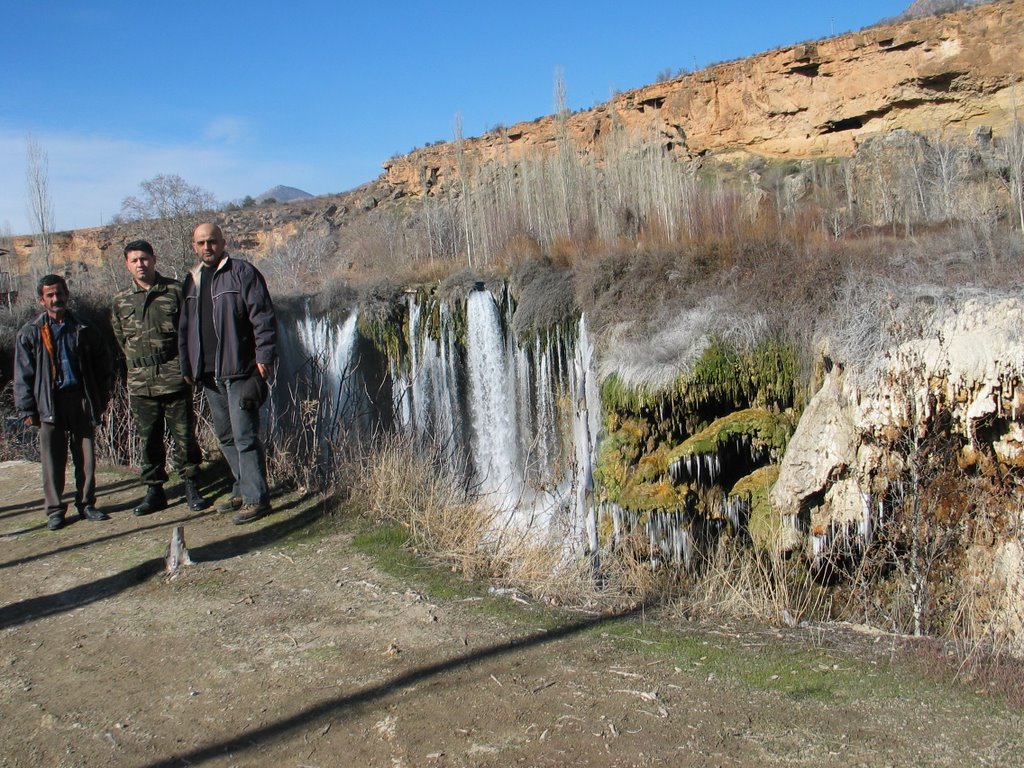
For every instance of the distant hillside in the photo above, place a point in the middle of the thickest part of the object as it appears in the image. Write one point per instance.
(282, 194)
(922, 8)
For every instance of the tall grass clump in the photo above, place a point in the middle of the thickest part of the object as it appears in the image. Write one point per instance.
(735, 582)
(399, 482)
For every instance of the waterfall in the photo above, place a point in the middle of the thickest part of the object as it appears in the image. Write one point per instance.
(519, 421)
(328, 350)
(431, 395)
(492, 402)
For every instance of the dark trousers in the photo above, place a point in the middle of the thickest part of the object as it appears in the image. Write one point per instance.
(174, 410)
(238, 434)
(71, 428)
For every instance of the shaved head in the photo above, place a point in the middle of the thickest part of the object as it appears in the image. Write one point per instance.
(208, 243)
(210, 230)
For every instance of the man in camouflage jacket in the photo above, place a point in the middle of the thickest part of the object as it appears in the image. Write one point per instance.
(145, 320)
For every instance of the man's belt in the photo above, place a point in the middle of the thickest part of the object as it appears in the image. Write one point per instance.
(148, 360)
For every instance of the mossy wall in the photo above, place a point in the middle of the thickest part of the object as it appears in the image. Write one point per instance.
(734, 411)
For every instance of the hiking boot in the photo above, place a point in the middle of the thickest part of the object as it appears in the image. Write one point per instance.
(89, 512)
(230, 504)
(154, 501)
(55, 522)
(194, 498)
(251, 512)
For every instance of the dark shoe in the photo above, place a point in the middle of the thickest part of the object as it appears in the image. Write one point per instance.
(194, 498)
(230, 504)
(154, 501)
(251, 512)
(89, 512)
(55, 522)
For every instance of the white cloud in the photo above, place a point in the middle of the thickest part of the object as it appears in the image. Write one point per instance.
(89, 175)
(227, 129)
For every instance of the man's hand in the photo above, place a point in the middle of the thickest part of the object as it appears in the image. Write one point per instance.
(264, 371)
(31, 421)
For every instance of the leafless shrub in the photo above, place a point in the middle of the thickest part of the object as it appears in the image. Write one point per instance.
(400, 481)
(380, 303)
(17, 441)
(652, 360)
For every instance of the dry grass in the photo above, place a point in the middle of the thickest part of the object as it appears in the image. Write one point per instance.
(733, 581)
(399, 482)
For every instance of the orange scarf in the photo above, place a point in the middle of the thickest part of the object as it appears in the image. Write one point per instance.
(51, 349)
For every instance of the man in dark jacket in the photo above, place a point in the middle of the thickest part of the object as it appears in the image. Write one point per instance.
(227, 337)
(145, 321)
(60, 368)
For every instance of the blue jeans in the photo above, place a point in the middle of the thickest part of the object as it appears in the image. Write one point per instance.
(238, 434)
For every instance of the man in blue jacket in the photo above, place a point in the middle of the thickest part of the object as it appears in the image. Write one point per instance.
(227, 338)
(60, 371)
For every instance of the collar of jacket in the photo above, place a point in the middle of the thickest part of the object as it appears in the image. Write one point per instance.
(73, 322)
(159, 285)
(199, 266)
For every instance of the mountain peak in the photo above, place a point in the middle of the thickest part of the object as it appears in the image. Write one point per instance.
(282, 194)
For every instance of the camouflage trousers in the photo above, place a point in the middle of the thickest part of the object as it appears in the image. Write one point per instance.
(174, 410)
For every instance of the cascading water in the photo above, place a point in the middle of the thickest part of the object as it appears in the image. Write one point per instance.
(522, 420)
(429, 398)
(492, 403)
(330, 349)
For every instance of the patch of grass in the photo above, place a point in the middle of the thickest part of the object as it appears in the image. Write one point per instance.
(797, 672)
(389, 546)
(325, 653)
(209, 585)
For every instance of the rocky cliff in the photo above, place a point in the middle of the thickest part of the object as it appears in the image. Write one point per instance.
(955, 72)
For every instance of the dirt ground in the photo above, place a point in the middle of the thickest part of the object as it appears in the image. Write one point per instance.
(282, 645)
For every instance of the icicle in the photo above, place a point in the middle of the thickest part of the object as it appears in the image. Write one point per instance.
(864, 529)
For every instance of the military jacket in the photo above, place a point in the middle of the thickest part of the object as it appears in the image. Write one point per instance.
(146, 326)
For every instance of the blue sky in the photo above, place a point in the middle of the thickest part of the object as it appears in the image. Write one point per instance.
(238, 97)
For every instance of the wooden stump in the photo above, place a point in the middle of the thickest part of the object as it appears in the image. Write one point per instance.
(177, 552)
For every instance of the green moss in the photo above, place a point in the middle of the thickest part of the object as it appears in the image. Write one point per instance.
(764, 523)
(762, 376)
(643, 496)
(723, 375)
(767, 431)
(619, 452)
(618, 396)
(631, 468)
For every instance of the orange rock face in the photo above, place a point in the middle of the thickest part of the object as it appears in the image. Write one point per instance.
(956, 72)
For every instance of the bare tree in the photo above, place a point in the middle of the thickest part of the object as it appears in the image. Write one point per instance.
(463, 174)
(293, 266)
(169, 208)
(40, 205)
(1013, 151)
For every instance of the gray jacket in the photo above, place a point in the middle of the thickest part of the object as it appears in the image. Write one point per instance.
(33, 377)
(243, 320)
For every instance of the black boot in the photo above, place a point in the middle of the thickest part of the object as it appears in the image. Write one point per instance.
(194, 498)
(154, 501)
